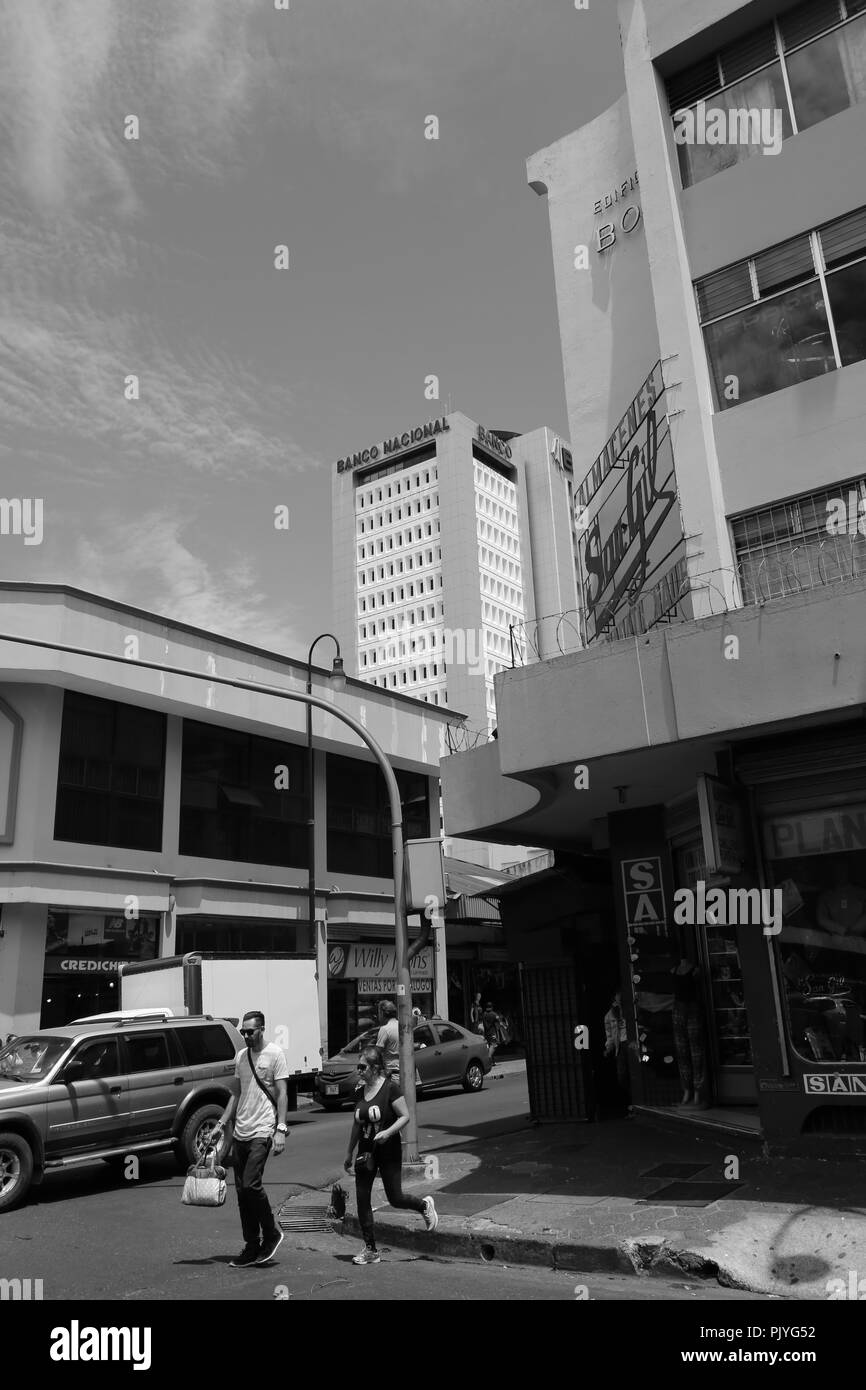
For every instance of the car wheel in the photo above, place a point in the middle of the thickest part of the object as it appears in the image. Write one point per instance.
(474, 1078)
(16, 1170)
(195, 1136)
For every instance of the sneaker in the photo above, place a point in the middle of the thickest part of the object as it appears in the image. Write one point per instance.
(431, 1216)
(248, 1256)
(366, 1257)
(270, 1246)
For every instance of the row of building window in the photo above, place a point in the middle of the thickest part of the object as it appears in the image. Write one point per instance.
(392, 542)
(809, 63)
(795, 311)
(493, 481)
(495, 536)
(399, 648)
(408, 620)
(111, 778)
(401, 486)
(413, 589)
(395, 515)
(409, 675)
(512, 596)
(506, 515)
(492, 560)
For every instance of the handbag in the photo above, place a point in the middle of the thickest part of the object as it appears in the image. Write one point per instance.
(205, 1184)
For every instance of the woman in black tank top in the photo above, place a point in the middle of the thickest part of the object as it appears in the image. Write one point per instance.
(380, 1114)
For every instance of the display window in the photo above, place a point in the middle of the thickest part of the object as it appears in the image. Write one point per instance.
(822, 944)
(83, 955)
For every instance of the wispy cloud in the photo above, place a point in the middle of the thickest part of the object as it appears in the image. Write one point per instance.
(148, 562)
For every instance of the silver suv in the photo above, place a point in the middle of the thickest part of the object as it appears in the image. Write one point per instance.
(105, 1088)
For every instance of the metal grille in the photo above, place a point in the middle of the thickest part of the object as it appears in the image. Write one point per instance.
(846, 237)
(724, 291)
(696, 82)
(787, 548)
(747, 54)
(784, 264)
(556, 1071)
(806, 21)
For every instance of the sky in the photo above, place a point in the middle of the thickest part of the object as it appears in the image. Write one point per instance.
(154, 258)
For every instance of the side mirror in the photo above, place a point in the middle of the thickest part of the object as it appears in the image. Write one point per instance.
(73, 1071)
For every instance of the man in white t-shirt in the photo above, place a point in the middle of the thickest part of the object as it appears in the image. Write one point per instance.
(388, 1037)
(259, 1110)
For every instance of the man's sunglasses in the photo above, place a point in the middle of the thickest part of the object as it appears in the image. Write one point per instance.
(248, 1032)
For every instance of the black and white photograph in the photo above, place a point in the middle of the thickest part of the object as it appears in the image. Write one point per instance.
(432, 673)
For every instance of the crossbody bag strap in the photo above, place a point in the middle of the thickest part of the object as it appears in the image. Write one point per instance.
(261, 1085)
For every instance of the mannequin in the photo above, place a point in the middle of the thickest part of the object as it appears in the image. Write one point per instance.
(689, 1035)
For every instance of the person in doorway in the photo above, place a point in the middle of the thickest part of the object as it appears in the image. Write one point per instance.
(689, 1035)
(259, 1108)
(388, 1037)
(616, 1040)
(380, 1114)
(490, 1022)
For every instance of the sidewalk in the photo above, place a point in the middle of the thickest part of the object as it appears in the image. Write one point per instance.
(625, 1196)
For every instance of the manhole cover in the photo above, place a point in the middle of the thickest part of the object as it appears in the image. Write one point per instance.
(690, 1194)
(675, 1170)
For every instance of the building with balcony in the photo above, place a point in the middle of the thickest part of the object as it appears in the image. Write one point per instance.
(147, 814)
(709, 240)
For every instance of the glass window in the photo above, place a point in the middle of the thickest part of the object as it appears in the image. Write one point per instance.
(230, 806)
(32, 1057)
(146, 1052)
(822, 944)
(789, 547)
(773, 344)
(447, 1033)
(423, 1037)
(203, 1045)
(110, 775)
(828, 75)
(100, 1058)
(359, 826)
(846, 290)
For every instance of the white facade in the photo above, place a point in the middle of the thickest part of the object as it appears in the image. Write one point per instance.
(449, 544)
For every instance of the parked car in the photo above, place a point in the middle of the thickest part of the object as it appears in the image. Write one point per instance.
(102, 1089)
(445, 1055)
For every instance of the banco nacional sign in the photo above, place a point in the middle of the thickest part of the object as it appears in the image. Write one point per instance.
(395, 445)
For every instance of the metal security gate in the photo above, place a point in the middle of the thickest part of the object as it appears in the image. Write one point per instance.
(557, 1073)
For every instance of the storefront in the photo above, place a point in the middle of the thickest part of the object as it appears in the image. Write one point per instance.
(811, 827)
(360, 974)
(83, 955)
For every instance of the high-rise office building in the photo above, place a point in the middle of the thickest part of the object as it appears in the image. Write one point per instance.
(450, 542)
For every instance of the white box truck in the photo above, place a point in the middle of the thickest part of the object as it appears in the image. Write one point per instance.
(284, 987)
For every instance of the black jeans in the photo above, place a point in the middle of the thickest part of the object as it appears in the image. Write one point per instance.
(249, 1157)
(389, 1163)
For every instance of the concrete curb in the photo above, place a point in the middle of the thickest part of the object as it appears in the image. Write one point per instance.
(492, 1247)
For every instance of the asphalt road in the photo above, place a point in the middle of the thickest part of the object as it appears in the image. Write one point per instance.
(91, 1234)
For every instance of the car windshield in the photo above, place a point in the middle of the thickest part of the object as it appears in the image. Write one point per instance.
(29, 1058)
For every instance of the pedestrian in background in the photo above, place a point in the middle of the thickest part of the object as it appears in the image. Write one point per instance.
(259, 1108)
(490, 1022)
(476, 1015)
(388, 1037)
(380, 1114)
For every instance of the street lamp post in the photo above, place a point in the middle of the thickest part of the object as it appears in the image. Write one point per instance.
(338, 683)
(404, 996)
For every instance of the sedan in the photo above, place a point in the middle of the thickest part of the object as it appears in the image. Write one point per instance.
(445, 1055)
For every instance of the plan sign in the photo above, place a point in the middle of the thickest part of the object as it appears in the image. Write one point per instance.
(634, 536)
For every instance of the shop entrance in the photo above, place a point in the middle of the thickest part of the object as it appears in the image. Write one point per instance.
(83, 955)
